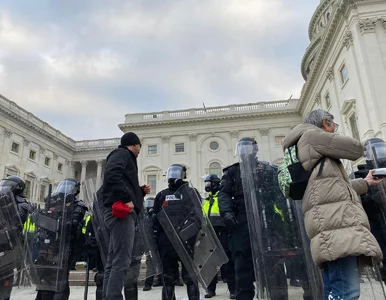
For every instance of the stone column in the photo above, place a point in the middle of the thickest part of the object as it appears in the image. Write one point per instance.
(232, 149)
(264, 153)
(193, 158)
(83, 176)
(165, 152)
(99, 173)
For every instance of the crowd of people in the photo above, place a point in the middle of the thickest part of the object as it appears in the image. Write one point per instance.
(261, 240)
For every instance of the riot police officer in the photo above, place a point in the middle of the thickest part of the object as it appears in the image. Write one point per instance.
(211, 209)
(52, 276)
(177, 213)
(374, 202)
(233, 210)
(16, 186)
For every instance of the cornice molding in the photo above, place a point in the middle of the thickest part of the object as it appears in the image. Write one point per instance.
(127, 126)
(338, 17)
(317, 14)
(30, 126)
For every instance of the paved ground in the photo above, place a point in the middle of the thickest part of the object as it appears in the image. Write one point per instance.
(154, 294)
(222, 293)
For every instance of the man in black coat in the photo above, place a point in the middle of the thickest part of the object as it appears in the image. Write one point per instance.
(123, 201)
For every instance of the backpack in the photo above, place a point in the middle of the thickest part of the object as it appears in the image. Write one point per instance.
(292, 177)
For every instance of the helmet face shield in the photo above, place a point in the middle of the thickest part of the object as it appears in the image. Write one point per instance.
(244, 148)
(175, 172)
(149, 203)
(7, 185)
(66, 187)
(376, 153)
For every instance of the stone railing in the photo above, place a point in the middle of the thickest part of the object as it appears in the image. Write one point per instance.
(214, 111)
(29, 117)
(103, 143)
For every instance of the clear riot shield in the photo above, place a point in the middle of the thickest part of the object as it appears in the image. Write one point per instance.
(280, 248)
(49, 249)
(192, 235)
(11, 249)
(146, 261)
(94, 202)
(374, 203)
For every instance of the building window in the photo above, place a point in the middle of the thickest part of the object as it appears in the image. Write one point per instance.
(60, 167)
(327, 100)
(328, 15)
(354, 127)
(152, 181)
(28, 189)
(152, 150)
(214, 146)
(47, 161)
(32, 155)
(15, 147)
(43, 192)
(343, 74)
(180, 148)
(279, 140)
(215, 168)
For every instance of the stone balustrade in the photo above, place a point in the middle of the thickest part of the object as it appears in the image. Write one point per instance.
(214, 111)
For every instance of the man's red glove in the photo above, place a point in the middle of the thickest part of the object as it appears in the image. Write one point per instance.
(120, 209)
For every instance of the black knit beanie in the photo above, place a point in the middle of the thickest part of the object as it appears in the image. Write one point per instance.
(130, 139)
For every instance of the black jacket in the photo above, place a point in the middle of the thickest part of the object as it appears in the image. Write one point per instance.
(121, 179)
(231, 196)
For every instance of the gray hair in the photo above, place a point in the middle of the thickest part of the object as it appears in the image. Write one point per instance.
(316, 117)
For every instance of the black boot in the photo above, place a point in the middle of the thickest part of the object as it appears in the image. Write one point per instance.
(168, 292)
(131, 292)
(210, 294)
(193, 292)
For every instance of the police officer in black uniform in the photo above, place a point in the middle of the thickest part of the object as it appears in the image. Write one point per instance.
(233, 211)
(374, 202)
(211, 209)
(17, 186)
(167, 200)
(77, 209)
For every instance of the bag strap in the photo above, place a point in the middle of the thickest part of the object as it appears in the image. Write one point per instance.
(320, 161)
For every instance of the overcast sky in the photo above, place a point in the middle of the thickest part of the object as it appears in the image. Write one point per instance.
(82, 65)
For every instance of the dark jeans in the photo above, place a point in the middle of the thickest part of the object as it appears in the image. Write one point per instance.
(228, 269)
(341, 279)
(122, 234)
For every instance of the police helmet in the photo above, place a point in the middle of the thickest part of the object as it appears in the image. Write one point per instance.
(212, 181)
(176, 171)
(375, 153)
(15, 184)
(68, 186)
(247, 146)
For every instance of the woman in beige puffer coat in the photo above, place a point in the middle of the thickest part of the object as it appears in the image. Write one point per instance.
(335, 220)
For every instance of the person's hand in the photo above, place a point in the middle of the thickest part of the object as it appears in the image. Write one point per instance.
(230, 221)
(371, 180)
(146, 189)
(130, 205)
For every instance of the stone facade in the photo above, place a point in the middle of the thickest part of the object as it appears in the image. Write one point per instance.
(345, 72)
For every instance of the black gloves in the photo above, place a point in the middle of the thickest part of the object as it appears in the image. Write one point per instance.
(230, 221)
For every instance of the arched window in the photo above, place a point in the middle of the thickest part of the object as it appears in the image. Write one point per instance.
(215, 168)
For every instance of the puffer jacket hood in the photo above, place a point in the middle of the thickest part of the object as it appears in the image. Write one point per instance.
(334, 218)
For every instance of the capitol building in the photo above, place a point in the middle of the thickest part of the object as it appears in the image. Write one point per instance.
(344, 68)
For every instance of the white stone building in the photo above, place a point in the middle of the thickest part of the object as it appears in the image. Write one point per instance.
(345, 72)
